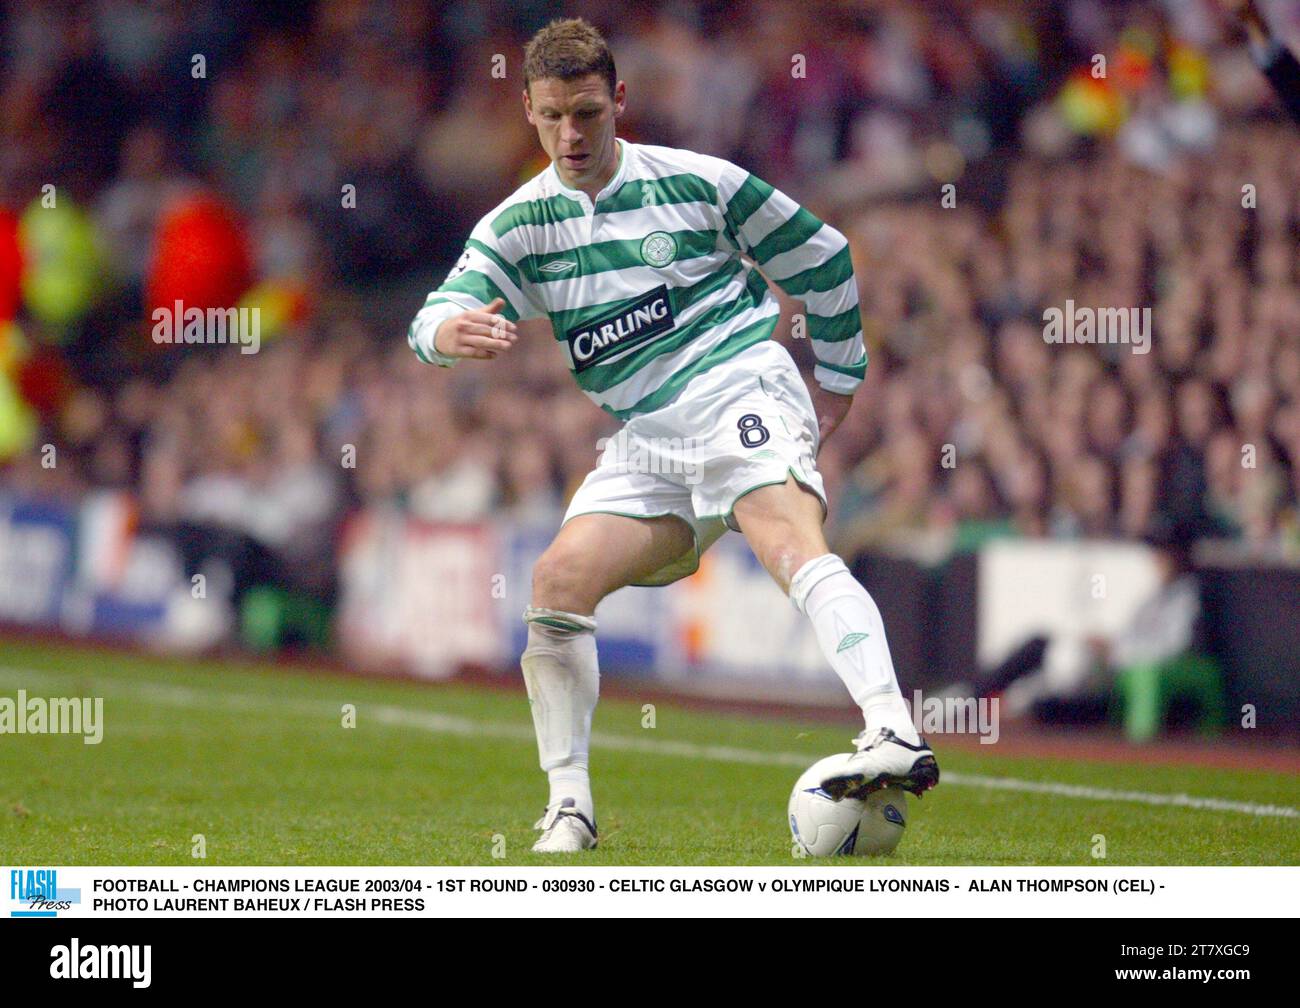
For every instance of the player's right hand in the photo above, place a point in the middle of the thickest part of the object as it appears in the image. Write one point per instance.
(479, 334)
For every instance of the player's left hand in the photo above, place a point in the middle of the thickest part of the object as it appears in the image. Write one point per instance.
(831, 409)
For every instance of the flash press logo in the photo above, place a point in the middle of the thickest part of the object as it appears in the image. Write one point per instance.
(37, 891)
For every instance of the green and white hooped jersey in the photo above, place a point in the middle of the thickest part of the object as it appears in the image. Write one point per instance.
(645, 289)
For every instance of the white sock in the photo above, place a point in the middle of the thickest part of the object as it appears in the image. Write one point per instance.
(563, 681)
(572, 781)
(852, 637)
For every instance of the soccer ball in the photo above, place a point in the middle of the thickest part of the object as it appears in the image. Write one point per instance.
(883, 821)
(824, 828)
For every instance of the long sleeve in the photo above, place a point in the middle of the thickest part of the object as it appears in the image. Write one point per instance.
(485, 271)
(808, 259)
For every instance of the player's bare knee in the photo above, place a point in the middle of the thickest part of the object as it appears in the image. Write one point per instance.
(784, 561)
(562, 581)
(779, 546)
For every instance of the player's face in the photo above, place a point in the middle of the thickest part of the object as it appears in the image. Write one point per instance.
(575, 123)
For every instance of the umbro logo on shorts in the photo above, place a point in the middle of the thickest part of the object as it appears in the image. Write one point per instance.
(645, 318)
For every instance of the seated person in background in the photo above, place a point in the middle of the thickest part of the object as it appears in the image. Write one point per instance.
(1164, 627)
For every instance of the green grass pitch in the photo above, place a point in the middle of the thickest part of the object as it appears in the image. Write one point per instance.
(259, 763)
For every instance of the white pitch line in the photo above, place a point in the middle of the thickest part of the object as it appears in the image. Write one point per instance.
(448, 724)
(1107, 794)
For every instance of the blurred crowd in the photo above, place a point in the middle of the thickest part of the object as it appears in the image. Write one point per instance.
(1201, 431)
(339, 152)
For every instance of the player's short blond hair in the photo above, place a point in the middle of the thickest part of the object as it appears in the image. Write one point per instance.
(569, 48)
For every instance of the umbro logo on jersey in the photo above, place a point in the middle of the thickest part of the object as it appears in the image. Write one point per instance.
(557, 266)
(645, 318)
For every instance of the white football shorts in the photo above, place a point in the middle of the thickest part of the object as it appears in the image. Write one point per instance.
(744, 424)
